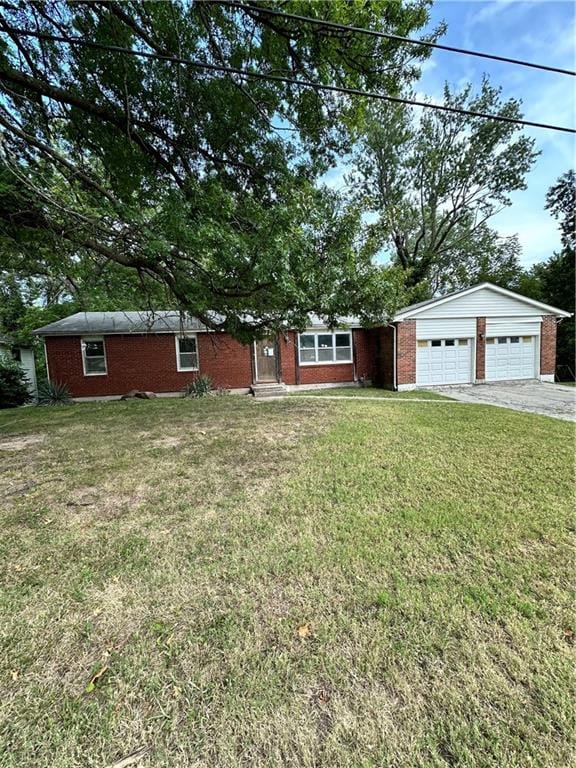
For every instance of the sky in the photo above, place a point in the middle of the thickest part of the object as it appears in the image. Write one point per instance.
(541, 31)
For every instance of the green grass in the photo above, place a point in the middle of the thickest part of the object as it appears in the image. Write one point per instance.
(426, 394)
(289, 583)
(567, 383)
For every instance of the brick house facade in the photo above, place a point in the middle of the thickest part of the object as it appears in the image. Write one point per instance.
(480, 334)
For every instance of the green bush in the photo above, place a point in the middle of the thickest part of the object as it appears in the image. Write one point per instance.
(201, 386)
(13, 384)
(54, 393)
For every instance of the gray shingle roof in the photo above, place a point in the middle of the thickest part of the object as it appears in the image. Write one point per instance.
(161, 321)
(84, 323)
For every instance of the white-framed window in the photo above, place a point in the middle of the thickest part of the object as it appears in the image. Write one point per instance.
(94, 356)
(325, 347)
(187, 353)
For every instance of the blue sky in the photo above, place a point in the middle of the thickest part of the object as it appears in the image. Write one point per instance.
(542, 31)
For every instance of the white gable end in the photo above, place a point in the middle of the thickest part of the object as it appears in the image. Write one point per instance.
(481, 303)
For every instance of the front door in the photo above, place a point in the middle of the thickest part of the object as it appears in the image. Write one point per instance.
(265, 360)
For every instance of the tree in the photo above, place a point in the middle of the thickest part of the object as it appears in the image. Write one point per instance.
(553, 281)
(561, 201)
(435, 180)
(194, 179)
(13, 384)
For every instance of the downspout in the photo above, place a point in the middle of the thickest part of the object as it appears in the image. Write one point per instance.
(395, 334)
(46, 359)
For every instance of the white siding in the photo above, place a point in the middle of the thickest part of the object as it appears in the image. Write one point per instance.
(27, 362)
(482, 303)
(446, 329)
(520, 326)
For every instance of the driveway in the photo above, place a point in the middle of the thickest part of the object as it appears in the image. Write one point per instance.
(534, 397)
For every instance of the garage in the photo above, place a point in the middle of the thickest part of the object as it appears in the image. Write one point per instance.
(444, 361)
(510, 357)
(480, 334)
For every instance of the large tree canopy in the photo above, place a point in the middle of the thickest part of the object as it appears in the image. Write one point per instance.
(199, 180)
(434, 181)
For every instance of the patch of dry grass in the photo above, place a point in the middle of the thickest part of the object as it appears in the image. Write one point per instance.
(182, 547)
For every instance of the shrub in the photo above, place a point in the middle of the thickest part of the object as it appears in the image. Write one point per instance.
(13, 384)
(201, 386)
(54, 393)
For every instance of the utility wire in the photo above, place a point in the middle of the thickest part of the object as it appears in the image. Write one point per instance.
(281, 79)
(389, 36)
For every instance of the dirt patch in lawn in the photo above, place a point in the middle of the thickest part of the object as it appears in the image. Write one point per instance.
(90, 505)
(20, 442)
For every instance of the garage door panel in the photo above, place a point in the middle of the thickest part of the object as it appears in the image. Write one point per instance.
(510, 357)
(449, 361)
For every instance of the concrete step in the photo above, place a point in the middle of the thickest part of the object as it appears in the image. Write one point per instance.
(272, 389)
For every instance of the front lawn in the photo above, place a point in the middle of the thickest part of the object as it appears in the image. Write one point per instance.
(425, 394)
(296, 583)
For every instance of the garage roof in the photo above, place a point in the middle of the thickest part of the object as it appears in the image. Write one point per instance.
(415, 309)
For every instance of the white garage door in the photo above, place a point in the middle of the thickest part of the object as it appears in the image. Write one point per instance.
(444, 361)
(510, 357)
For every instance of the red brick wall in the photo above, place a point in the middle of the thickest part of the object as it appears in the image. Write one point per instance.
(288, 352)
(480, 348)
(326, 374)
(147, 362)
(364, 353)
(548, 345)
(384, 356)
(406, 352)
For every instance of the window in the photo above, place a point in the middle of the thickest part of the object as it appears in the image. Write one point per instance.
(16, 355)
(436, 343)
(423, 343)
(186, 353)
(462, 342)
(514, 339)
(489, 341)
(502, 339)
(527, 339)
(449, 343)
(94, 357)
(325, 347)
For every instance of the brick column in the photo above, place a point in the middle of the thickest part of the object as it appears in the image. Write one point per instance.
(480, 349)
(406, 353)
(548, 347)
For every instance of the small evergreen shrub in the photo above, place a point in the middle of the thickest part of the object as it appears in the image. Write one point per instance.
(201, 386)
(13, 384)
(54, 393)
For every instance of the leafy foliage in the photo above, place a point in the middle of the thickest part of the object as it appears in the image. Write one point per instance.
(200, 386)
(561, 201)
(434, 182)
(13, 384)
(54, 393)
(553, 281)
(164, 176)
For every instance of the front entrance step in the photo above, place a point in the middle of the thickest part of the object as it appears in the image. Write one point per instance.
(271, 389)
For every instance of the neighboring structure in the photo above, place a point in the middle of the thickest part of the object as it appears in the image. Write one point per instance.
(484, 333)
(23, 356)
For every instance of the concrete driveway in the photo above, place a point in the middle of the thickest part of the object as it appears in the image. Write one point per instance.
(534, 397)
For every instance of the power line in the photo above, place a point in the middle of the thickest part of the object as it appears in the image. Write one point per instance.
(389, 36)
(282, 79)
